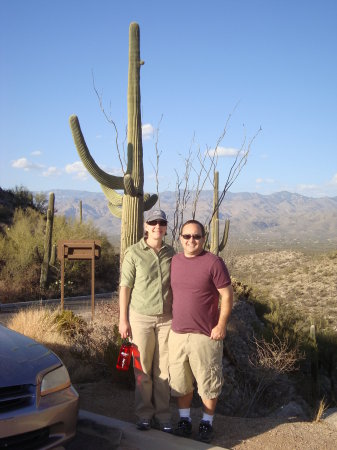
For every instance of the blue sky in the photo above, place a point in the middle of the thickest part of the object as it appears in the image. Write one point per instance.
(272, 63)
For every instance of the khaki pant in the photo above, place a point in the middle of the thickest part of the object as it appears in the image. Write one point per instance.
(150, 339)
(195, 357)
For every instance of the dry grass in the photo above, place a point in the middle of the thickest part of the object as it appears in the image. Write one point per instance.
(305, 282)
(39, 324)
(322, 407)
(85, 348)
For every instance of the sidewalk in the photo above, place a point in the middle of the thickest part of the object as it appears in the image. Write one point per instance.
(96, 431)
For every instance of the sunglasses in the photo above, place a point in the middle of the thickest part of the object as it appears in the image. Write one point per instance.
(197, 237)
(161, 223)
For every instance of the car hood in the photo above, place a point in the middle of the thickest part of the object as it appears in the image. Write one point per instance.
(22, 358)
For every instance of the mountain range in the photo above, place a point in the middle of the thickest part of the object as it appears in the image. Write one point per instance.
(278, 220)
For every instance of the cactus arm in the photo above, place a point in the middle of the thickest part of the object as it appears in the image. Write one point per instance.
(149, 201)
(102, 177)
(224, 236)
(113, 196)
(115, 210)
(129, 186)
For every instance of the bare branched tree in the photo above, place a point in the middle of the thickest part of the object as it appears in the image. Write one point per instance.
(158, 154)
(112, 122)
(203, 167)
(268, 362)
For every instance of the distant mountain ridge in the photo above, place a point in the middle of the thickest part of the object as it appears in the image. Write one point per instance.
(280, 219)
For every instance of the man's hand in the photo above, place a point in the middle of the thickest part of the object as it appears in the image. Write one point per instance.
(218, 333)
(125, 329)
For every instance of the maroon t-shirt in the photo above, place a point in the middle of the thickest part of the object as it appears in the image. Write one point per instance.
(195, 282)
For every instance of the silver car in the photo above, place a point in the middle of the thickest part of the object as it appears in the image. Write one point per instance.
(38, 404)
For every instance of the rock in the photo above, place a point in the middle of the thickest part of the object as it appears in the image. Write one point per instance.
(291, 410)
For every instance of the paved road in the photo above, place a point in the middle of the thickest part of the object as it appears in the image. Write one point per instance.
(79, 305)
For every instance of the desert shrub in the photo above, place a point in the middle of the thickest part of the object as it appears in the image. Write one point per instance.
(69, 324)
(20, 256)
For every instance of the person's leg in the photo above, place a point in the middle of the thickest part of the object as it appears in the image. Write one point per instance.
(185, 401)
(143, 339)
(160, 374)
(209, 405)
(206, 365)
(181, 380)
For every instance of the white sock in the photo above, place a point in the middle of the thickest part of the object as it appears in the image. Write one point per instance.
(185, 413)
(208, 418)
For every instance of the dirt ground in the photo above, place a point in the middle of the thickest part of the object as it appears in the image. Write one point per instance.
(231, 432)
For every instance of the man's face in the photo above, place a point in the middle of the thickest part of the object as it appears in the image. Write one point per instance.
(192, 246)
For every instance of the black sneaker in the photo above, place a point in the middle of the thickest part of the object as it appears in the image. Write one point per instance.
(144, 424)
(206, 432)
(184, 427)
(162, 426)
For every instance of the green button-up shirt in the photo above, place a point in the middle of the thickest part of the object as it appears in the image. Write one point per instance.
(147, 274)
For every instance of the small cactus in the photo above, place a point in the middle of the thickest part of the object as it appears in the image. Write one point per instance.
(47, 242)
(214, 245)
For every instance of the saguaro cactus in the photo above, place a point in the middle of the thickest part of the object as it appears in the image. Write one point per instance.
(215, 247)
(130, 206)
(47, 242)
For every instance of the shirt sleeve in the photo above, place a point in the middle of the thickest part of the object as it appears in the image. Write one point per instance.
(221, 277)
(128, 271)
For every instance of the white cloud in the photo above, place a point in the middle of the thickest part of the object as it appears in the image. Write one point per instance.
(23, 163)
(36, 153)
(113, 171)
(223, 151)
(307, 187)
(147, 131)
(264, 180)
(77, 169)
(51, 171)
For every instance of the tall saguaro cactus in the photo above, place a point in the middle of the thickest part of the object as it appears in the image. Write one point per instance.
(129, 207)
(47, 242)
(215, 247)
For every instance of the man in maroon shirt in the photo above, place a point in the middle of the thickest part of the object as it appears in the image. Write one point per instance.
(198, 327)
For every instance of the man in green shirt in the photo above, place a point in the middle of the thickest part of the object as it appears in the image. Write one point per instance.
(145, 317)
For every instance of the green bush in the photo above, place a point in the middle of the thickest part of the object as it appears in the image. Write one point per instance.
(69, 324)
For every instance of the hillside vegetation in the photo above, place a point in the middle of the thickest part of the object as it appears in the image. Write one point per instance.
(304, 282)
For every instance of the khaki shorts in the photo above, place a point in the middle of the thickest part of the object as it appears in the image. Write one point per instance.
(195, 357)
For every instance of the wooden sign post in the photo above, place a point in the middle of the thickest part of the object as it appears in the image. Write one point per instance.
(79, 249)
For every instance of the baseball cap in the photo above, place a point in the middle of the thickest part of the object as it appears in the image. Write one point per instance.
(157, 214)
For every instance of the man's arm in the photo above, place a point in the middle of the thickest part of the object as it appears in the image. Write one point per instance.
(219, 331)
(124, 324)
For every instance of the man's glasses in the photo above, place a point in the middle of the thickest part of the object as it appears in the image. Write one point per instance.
(197, 237)
(161, 223)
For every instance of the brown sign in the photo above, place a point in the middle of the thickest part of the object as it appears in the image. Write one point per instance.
(79, 249)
